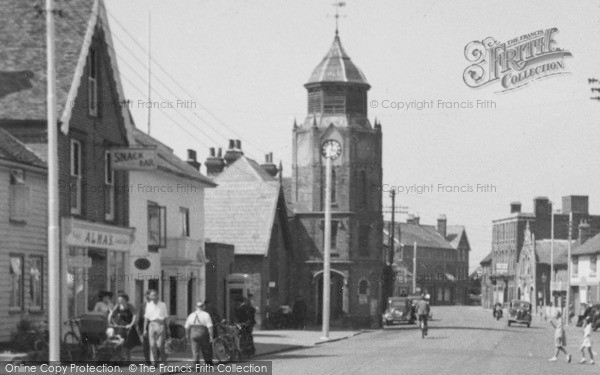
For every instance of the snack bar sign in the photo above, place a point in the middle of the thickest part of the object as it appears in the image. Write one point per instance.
(133, 158)
(514, 63)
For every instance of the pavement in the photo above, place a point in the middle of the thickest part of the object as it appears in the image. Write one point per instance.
(271, 342)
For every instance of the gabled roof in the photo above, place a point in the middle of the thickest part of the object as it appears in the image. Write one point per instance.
(454, 234)
(487, 259)
(336, 66)
(543, 251)
(591, 246)
(287, 193)
(12, 149)
(242, 209)
(167, 161)
(424, 235)
(23, 57)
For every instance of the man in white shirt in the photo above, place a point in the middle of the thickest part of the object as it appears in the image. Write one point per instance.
(155, 326)
(199, 331)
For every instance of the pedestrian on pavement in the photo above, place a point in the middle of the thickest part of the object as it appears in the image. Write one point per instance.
(587, 340)
(143, 328)
(104, 304)
(124, 317)
(199, 332)
(245, 314)
(157, 330)
(560, 338)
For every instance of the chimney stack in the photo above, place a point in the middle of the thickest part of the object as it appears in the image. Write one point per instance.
(441, 225)
(413, 219)
(584, 232)
(515, 207)
(191, 160)
(214, 164)
(268, 166)
(234, 152)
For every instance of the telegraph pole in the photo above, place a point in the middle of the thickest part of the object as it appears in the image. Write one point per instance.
(552, 278)
(415, 268)
(569, 267)
(392, 226)
(54, 273)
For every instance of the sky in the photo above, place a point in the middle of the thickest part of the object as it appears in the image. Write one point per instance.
(243, 64)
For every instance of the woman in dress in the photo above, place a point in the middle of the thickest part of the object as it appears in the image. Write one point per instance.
(124, 317)
(587, 341)
(560, 338)
(104, 305)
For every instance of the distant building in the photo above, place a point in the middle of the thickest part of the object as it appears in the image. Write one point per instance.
(508, 237)
(585, 281)
(486, 282)
(247, 210)
(442, 259)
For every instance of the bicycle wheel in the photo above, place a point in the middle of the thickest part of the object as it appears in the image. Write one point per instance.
(40, 345)
(221, 350)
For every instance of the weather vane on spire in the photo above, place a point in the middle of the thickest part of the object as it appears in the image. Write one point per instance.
(337, 6)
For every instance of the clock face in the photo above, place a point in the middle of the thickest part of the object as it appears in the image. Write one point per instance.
(331, 149)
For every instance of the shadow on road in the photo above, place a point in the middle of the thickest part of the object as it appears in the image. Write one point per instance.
(295, 356)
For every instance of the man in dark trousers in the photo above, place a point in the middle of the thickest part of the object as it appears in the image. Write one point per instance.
(199, 332)
(245, 314)
(299, 312)
(142, 329)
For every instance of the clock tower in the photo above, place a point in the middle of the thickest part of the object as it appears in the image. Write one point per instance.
(337, 111)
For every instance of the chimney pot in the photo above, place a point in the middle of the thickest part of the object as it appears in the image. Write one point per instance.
(212, 151)
(220, 153)
(191, 154)
(238, 144)
(441, 225)
(267, 158)
(231, 144)
(515, 207)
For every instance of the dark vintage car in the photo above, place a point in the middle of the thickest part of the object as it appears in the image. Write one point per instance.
(399, 310)
(519, 312)
(594, 313)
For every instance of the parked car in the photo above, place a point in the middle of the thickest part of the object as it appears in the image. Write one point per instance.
(519, 312)
(593, 312)
(399, 309)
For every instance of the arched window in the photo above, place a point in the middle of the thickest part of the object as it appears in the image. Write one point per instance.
(363, 287)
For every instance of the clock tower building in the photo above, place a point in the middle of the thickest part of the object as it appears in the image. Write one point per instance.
(337, 110)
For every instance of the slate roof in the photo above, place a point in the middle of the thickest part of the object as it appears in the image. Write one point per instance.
(487, 259)
(287, 192)
(591, 246)
(167, 161)
(242, 209)
(543, 247)
(336, 66)
(12, 149)
(424, 235)
(23, 55)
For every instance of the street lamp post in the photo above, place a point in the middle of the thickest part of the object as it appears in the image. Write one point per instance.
(544, 279)
(331, 150)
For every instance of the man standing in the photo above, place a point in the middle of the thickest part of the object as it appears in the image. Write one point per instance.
(143, 327)
(423, 311)
(155, 326)
(299, 312)
(199, 331)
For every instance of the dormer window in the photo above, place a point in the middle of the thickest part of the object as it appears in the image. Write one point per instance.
(92, 83)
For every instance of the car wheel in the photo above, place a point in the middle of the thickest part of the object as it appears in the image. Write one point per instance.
(528, 325)
(509, 323)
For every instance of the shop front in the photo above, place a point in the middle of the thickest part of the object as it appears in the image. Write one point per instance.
(94, 258)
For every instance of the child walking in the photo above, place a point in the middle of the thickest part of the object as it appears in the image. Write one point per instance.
(560, 338)
(587, 341)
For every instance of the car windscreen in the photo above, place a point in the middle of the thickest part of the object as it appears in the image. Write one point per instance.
(398, 303)
(521, 305)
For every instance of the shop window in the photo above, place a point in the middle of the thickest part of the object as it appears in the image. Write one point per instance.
(185, 221)
(15, 301)
(109, 187)
(93, 83)
(75, 183)
(593, 262)
(575, 267)
(36, 283)
(19, 196)
(157, 227)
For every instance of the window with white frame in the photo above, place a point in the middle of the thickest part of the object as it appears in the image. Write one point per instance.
(36, 283)
(575, 267)
(75, 183)
(109, 187)
(15, 300)
(93, 83)
(185, 221)
(593, 263)
(19, 197)
(157, 226)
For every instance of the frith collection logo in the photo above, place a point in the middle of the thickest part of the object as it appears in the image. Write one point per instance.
(514, 63)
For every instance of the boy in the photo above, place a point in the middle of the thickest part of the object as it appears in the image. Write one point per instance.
(587, 341)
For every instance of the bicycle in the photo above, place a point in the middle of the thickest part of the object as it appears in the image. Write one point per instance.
(112, 349)
(226, 347)
(85, 334)
(423, 326)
